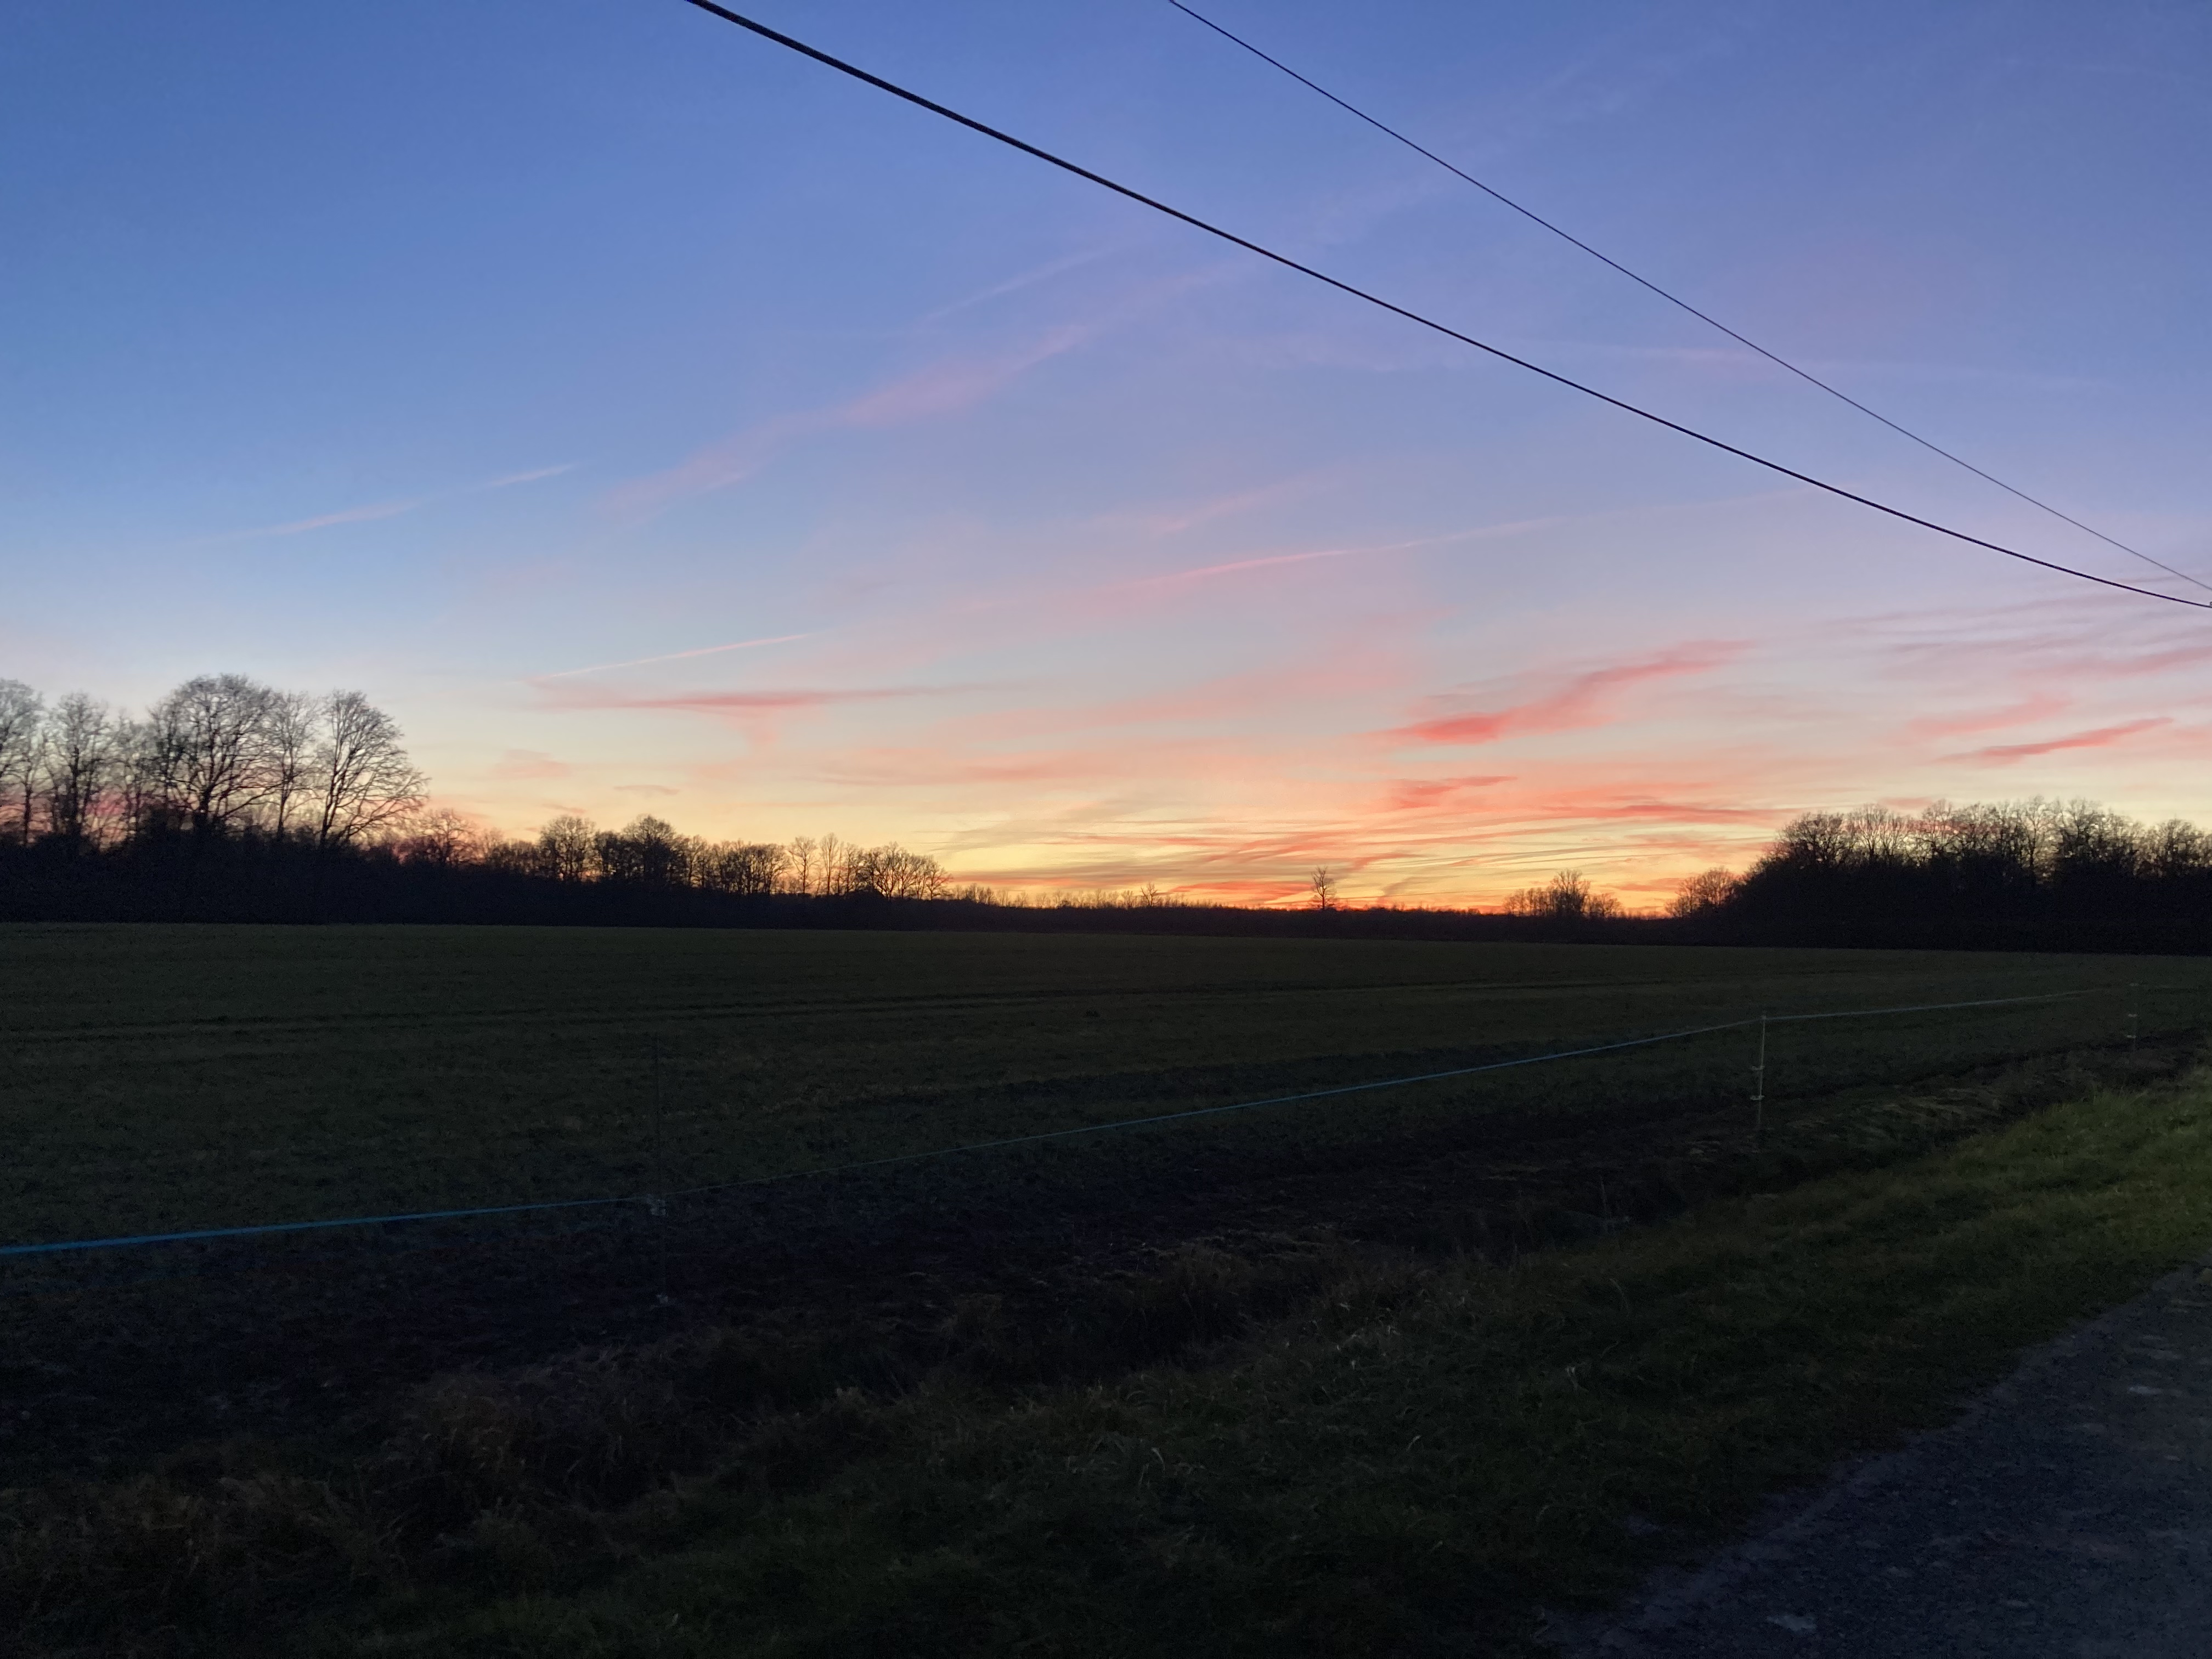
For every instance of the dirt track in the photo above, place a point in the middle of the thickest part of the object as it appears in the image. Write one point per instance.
(2067, 1516)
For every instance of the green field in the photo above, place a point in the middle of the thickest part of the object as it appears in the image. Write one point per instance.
(1322, 1377)
(173, 1078)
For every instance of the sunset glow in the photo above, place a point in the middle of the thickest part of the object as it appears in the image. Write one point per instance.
(653, 423)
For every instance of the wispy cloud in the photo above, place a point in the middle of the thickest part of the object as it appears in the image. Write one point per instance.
(1237, 567)
(944, 387)
(323, 521)
(531, 476)
(1175, 522)
(1015, 285)
(519, 765)
(742, 702)
(2038, 706)
(677, 656)
(2101, 737)
(1174, 579)
(1580, 701)
(1410, 793)
(390, 509)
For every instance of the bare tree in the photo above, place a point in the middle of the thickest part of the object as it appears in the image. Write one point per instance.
(514, 858)
(294, 720)
(748, 869)
(22, 734)
(209, 751)
(79, 763)
(891, 872)
(2176, 850)
(443, 838)
(564, 848)
(1566, 897)
(660, 857)
(1706, 891)
(358, 779)
(802, 866)
(1323, 884)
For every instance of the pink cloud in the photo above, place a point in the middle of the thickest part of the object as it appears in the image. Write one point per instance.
(1410, 793)
(1580, 702)
(2101, 737)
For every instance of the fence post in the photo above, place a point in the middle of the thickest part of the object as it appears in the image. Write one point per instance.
(659, 1203)
(1758, 1086)
(2135, 1010)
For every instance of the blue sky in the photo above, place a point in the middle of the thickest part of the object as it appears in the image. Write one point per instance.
(504, 360)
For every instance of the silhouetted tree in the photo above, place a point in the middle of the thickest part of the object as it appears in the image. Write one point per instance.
(207, 753)
(22, 737)
(1702, 894)
(565, 847)
(358, 782)
(1321, 888)
(2019, 871)
(443, 838)
(1566, 897)
(289, 738)
(83, 750)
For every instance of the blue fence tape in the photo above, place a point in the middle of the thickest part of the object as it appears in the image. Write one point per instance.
(131, 1240)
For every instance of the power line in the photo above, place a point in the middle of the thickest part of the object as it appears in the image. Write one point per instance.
(1676, 299)
(1289, 264)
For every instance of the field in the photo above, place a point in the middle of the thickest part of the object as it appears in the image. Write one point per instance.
(191, 1399)
(169, 1078)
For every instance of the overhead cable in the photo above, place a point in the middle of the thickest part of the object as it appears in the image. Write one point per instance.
(1672, 299)
(1449, 332)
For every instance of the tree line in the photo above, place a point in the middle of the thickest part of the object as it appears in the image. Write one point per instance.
(650, 853)
(224, 760)
(220, 756)
(2068, 874)
(226, 798)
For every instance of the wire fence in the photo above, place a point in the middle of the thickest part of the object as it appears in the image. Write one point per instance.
(655, 1202)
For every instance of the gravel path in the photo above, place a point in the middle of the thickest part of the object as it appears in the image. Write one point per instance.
(2067, 1516)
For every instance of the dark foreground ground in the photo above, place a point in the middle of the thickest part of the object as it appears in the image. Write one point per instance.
(1225, 1421)
(2067, 1516)
(1310, 1382)
(178, 1078)
(105, 1360)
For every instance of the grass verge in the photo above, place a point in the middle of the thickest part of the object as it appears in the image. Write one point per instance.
(1406, 1455)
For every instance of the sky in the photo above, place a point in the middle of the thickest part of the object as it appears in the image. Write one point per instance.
(654, 421)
